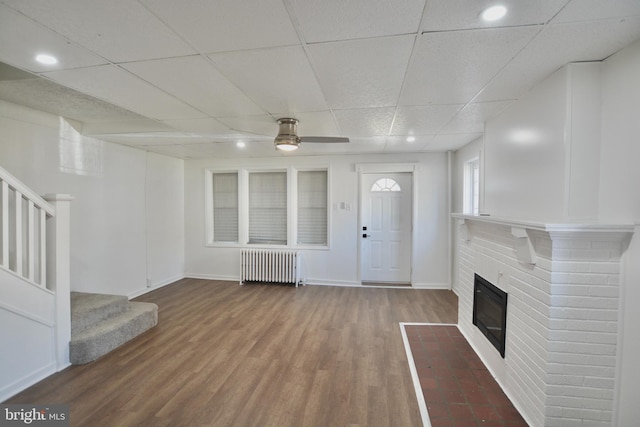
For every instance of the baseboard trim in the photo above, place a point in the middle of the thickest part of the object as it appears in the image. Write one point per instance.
(431, 286)
(27, 381)
(155, 286)
(321, 282)
(213, 277)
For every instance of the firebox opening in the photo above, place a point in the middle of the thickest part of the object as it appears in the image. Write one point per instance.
(490, 312)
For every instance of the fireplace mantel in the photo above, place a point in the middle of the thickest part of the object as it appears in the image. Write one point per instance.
(550, 227)
(556, 230)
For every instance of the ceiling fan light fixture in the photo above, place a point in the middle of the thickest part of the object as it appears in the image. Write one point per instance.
(287, 144)
(287, 139)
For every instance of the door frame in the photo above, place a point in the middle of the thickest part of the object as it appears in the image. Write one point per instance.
(371, 168)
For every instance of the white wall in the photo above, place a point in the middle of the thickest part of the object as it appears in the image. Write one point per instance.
(541, 155)
(339, 265)
(620, 202)
(122, 196)
(164, 219)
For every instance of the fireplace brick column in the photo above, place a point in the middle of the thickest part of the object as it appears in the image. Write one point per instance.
(562, 317)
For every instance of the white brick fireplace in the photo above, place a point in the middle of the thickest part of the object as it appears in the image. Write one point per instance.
(562, 314)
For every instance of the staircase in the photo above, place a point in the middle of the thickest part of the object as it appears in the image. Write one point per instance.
(100, 323)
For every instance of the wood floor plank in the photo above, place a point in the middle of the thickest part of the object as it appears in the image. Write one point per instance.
(228, 355)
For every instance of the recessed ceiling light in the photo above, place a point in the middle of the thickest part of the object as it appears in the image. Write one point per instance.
(494, 13)
(46, 59)
(240, 144)
(411, 139)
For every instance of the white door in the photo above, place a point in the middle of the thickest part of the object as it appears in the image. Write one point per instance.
(385, 235)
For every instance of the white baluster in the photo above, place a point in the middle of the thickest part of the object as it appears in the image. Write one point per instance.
(18, 212)
(31, 242)
(43, 248)
(5, 224)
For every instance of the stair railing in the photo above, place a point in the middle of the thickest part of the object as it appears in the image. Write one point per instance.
(24, 216)
(35, 246)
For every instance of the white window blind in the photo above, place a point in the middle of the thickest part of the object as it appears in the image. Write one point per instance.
(312, 207)
(268, 208)
(225, 207)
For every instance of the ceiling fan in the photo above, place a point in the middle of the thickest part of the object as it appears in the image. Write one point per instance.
(288, 139)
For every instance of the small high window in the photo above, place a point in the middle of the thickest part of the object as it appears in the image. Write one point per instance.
(471, 188)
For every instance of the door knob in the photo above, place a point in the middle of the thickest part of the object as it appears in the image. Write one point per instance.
(364, 236)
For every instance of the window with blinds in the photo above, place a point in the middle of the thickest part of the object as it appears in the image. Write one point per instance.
(268, 208)
(312, 207)
(225, 207)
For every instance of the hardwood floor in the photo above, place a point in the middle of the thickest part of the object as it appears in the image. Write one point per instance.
(256, 355)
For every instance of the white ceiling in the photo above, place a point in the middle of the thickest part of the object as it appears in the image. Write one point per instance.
(190, 78)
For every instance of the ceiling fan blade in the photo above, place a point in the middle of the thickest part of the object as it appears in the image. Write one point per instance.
(323, 139)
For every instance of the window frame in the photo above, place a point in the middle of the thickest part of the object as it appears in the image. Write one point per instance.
(245, 191)
(209, 209)
(471, 186)
(294, 192)
(243, 207)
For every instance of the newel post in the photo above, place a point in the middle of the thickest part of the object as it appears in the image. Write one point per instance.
(59, 271)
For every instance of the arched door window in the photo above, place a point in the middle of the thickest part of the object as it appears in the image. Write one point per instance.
(385, 184)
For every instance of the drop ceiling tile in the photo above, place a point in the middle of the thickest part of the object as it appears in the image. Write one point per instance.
(365, 122)
(264, 148)
(280, 80)
(400, 143)
(331, 20)
(316, 123)
(197, 82)
(123, 126)
(152, 138)
(113, 84)
(212, 149)
(176, 151)
(593, 10)
(44, 95)
(257, 125)
(203, 126)
(205, 150)
(118, 30)
(19, 35)
(423, 120)
(225, 25)
(556, 46)
(443, 15)
(452, 67)
(358, 145)
(450, 142)
(472, 117)
(358, 74)
(361, 145)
